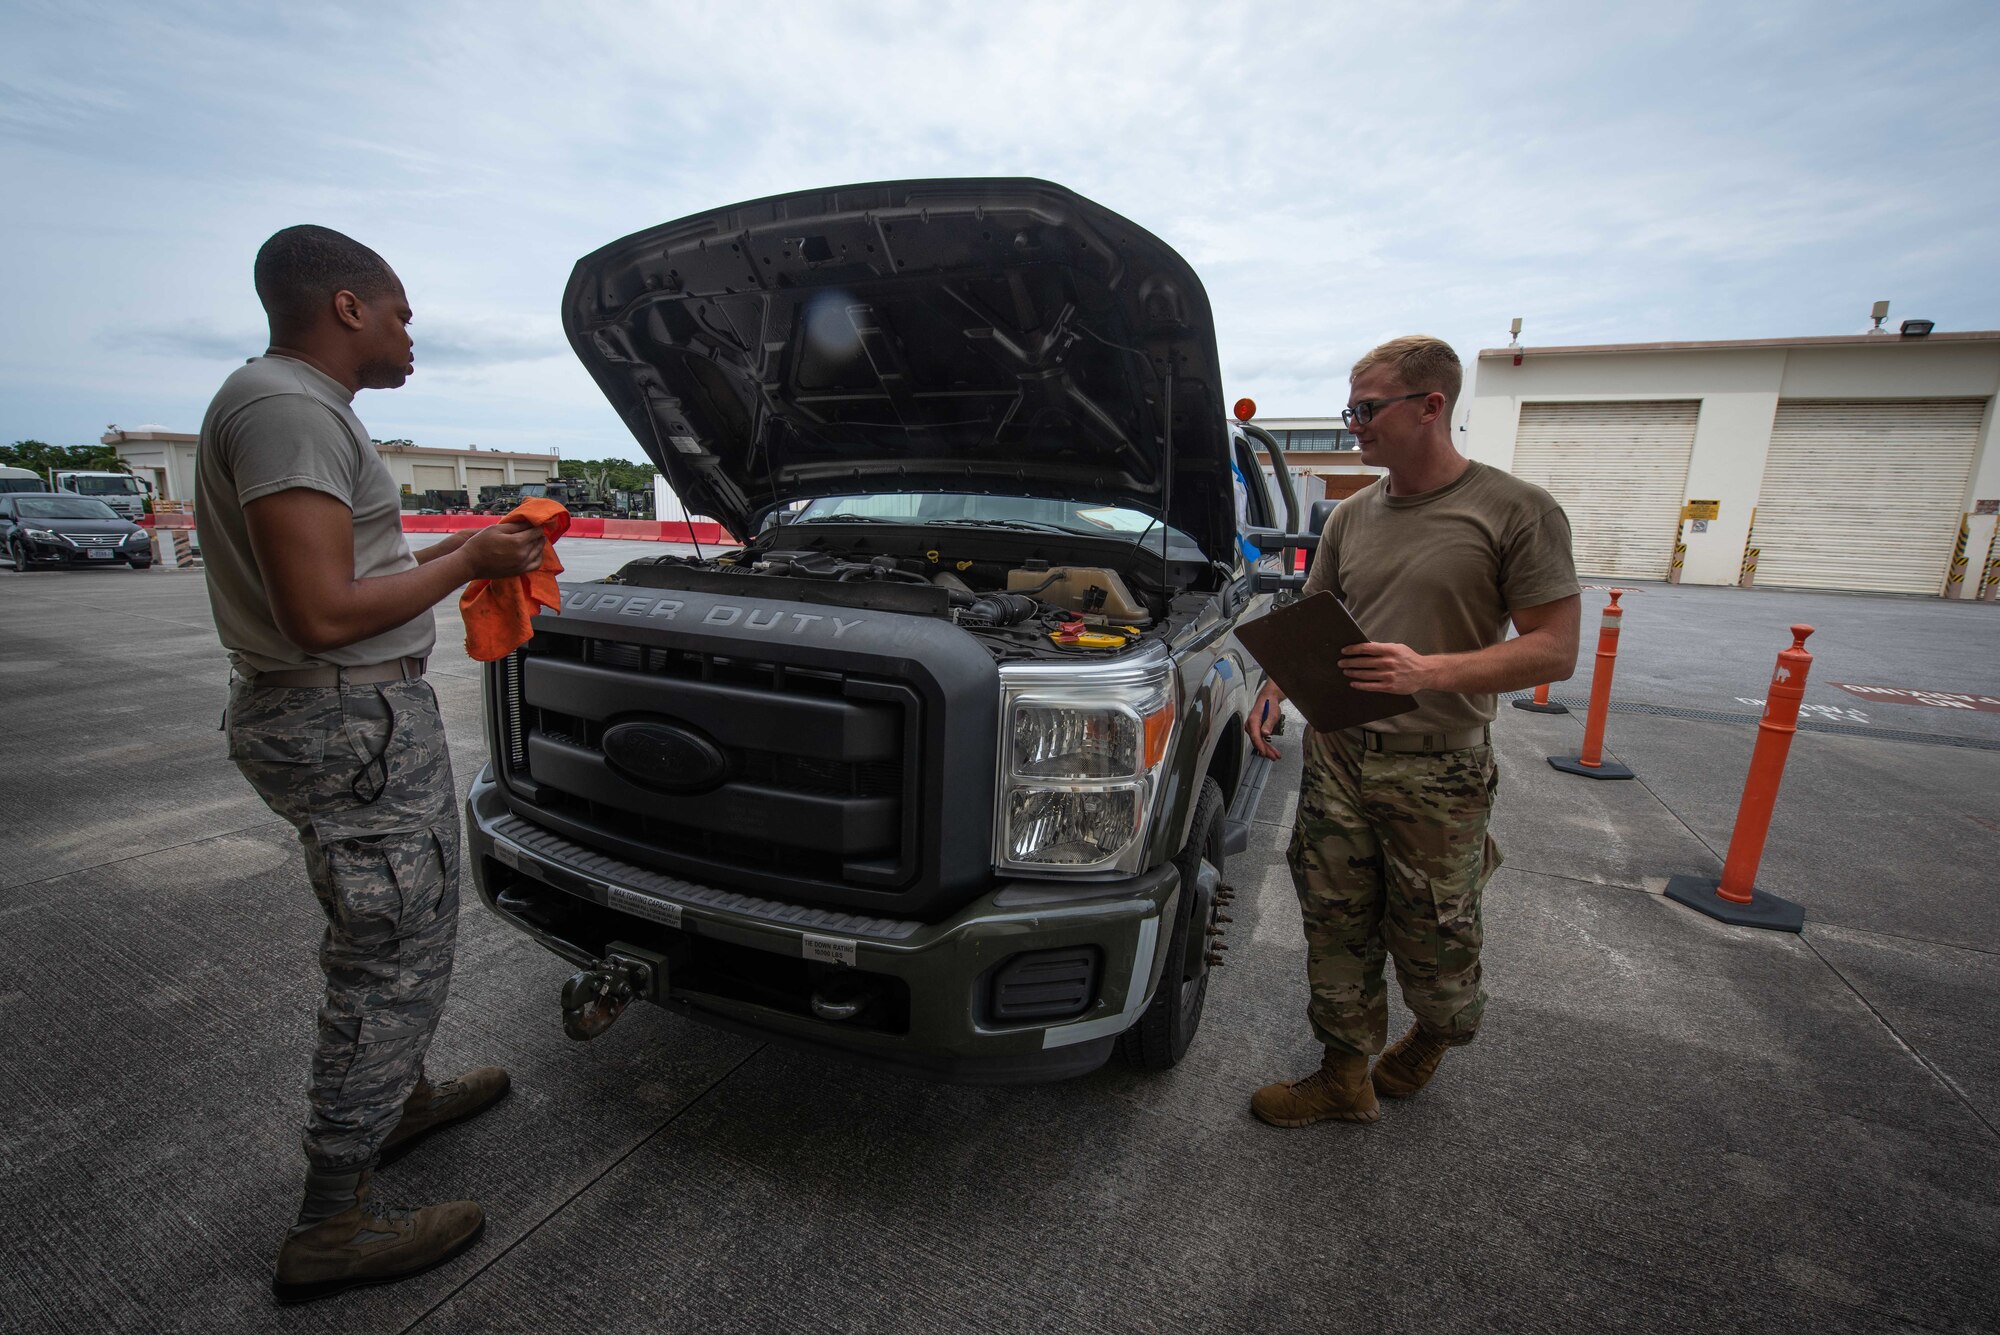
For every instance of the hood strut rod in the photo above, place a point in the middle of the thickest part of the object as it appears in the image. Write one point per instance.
(1167, 482)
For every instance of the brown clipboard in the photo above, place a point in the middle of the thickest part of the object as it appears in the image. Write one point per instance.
(1299, 646)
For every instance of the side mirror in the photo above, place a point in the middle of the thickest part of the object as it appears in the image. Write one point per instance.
(1321, 512)
(1271, 541)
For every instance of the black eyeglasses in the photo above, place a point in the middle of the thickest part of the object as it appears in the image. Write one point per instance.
(1362, 413)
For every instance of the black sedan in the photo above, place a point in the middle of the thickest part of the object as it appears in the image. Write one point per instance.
(56, 528)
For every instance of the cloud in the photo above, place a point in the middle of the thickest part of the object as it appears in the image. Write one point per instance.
(453, 346)
(1336, 171)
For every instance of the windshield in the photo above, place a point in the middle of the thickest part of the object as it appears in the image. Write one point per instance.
(22, 484)
(106, 486)
(61, 507)
(1028, 512)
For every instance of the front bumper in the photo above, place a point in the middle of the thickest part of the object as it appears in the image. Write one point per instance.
(576, 902)
(64, 553)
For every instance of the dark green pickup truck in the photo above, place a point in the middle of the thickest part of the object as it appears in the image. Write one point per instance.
(940, 765)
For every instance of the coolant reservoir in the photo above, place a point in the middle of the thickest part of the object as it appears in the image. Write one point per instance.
(1071, 588)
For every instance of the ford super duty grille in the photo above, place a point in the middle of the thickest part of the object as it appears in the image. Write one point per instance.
(820, 779)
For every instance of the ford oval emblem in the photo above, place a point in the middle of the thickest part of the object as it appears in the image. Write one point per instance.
(665, 756)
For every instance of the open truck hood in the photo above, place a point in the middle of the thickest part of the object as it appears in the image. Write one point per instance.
(1000, 336)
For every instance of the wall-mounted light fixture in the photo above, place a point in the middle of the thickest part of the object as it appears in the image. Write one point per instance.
(1918, 328)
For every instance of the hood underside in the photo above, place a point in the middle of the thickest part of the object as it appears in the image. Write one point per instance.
(997, 336)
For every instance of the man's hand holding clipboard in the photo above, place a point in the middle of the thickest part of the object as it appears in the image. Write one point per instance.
(1316, 654)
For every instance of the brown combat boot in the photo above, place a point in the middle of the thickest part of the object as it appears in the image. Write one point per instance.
(342, 1240)
(434, 1107)
(1408, 1065)
(1339, 1089)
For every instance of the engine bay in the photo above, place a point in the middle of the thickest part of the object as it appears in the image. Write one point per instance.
(1017, 605)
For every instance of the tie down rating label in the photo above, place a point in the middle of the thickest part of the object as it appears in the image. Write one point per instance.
(1903, 695)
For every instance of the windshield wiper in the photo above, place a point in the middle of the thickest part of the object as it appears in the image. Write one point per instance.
(845, 519)
(1029, 525)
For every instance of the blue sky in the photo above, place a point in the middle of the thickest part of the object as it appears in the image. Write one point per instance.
(1336, 173)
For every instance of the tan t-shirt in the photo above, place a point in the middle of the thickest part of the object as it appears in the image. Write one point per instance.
(1441, 572)
(277, 424)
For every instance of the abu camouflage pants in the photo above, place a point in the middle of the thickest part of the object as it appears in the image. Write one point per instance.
(1389, 855)
(363, 774)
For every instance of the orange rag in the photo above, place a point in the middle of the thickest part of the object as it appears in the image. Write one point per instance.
(497, 612)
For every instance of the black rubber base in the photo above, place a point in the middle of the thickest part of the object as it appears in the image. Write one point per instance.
(1610, 769)
(1766, 911)
(1550, 708)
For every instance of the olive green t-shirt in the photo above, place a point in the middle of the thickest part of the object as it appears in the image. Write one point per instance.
(278, 424)
(1441, 572)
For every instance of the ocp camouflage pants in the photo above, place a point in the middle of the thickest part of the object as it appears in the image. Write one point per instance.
(1389, 855)
(363, 774)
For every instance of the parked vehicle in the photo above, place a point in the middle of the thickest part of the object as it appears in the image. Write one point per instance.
(498, 499)
(55, 528)
(121, 491)
(21, 479)
(942, 767)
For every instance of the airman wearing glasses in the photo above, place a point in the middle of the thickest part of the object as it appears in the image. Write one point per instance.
(1390, 850)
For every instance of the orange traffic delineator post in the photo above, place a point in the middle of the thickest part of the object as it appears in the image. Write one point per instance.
(1735, 898)
(1590, 762)
(1541, 704)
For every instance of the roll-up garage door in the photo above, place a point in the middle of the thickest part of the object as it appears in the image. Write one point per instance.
(1620, 471)
(434, 477)
(1865, 495)
(475, 478)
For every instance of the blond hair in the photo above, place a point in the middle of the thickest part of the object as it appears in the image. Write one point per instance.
(1421, 363)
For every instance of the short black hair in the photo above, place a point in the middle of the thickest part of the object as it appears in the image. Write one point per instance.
(300, 268)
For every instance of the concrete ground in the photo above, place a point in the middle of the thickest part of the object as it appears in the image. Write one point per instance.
(1667, 1124)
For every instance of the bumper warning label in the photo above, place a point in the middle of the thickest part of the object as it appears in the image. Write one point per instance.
(827, 949)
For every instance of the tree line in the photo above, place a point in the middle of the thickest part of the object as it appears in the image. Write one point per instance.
(622, 474)
(40, 456)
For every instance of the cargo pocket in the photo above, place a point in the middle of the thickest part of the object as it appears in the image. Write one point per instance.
(373, 876)
(379, 869)
(394, 909)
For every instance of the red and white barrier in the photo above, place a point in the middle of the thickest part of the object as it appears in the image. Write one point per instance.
(582, 526)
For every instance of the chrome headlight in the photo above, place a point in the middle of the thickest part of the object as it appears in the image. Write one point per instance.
(1080, 755)
(42, 535)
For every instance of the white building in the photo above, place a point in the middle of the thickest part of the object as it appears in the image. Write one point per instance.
(166, 459)
(1869, 462)
(420, 468)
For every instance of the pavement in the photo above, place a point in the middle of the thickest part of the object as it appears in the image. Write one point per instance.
(1667, 1124)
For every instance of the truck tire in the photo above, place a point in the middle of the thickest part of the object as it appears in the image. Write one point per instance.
(1161, 1037)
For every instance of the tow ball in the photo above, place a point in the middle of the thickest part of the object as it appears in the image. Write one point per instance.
(594, 998)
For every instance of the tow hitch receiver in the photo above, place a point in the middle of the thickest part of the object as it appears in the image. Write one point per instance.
(594, 998)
